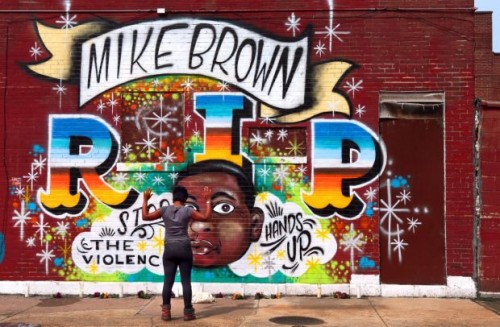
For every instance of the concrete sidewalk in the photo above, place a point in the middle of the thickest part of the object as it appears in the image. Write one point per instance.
(287, 311)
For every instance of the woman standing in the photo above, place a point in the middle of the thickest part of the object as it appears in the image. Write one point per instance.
(177, 251)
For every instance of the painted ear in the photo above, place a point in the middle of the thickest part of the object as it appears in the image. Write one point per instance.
(257, 222)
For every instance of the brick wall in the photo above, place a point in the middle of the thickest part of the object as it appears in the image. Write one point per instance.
(488, 90)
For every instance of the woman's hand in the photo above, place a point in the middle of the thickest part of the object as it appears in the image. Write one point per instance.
(147, 194)
(207, 192)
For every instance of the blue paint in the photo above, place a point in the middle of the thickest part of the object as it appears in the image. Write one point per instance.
(37, 149)
(31, 206)
(369, 209)
(82, 223)
(2, 247)
(398, 182)
(59, 262)
(366, 263)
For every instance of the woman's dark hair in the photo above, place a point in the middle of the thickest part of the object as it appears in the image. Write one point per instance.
(180, 193)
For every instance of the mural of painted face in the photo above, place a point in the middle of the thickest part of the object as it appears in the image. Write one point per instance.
(232, 227)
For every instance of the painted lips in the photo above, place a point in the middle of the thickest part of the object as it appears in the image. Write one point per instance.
(204, 247)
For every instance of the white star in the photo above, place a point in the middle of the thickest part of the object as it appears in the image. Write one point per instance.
(101, 106)
(302, 169)
(30, 242)
(35, 51)
(264, 172)
(293, 23)
(41, 228)
(282, 134)
(120, 178)
(352, 242)
(60, 88)
(126, 149)
(116, 119)
(223, 86)
(353, 86)
(413, 224)
(331, 32)
(404, 196)
(67, 22)
(188, 84)
(31, 177)
(269, 134)
(21, 218)
(46, 256)
(39, 164)
(140, 177)
(158, 180)
(267, 120)
(173, 176)
(187, 119)
(320, 48)
(256, 139)
(360, 110)
(168, 157)
(399, 244)
(149, 144)
(371, 194)
(62, 228)
(280, 174)
(156, 82)
(112, 102)
(19, 191)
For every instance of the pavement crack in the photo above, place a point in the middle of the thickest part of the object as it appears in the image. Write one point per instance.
(376, 311)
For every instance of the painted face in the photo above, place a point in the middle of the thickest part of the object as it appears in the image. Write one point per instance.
(226, 235)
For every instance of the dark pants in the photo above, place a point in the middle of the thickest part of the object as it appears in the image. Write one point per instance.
(178, 254)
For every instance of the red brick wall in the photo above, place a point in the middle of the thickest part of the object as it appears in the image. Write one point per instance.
(488, 89)
(415, 50)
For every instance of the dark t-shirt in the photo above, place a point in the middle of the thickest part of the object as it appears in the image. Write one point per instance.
(176, 220)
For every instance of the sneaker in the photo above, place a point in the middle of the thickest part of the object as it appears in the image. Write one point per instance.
(189, 314)
(165, 312)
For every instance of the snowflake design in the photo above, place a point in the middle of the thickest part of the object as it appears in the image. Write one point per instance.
(293, 23)
(352, 242)
(223, 86)
(267, 120)
(390, 216)
(39, 164)
(320, 48)
(188, 84)
(302, 170)
(371, 194)
(112, 102)
(413, 224)
(101, 106)
(19, 191)
(140, 177)
(257, 139)
(46, 256)
(269, 134)
(126, 149)
(264, 172)
(158, 180)
(156, 83)
(31, 177)
(280, 174)
(62, 228)
(173, 176)
(331, 32)
(360, 110)
(399, 244)
(168, 157)
(354, 86)
(41, 226)
(188, 119)
(116, 119)
(120, 179)
(30, 242)
(67, 22)
(36, 51)
(60, 90)
(21, 218)
(270, 265)
(282, 134)
(404, 196)
(148, 143)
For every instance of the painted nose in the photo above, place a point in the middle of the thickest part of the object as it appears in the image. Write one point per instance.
(202, 226)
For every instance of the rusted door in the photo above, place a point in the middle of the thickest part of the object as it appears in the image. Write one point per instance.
(411, 208)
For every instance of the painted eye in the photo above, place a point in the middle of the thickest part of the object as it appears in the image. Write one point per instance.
(223, 208)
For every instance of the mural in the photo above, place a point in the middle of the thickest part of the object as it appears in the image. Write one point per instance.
(271, 123)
